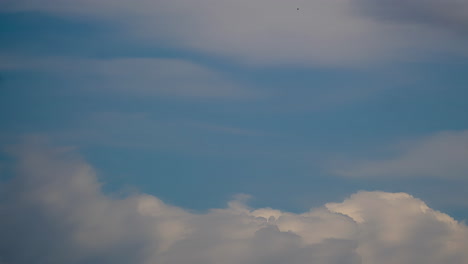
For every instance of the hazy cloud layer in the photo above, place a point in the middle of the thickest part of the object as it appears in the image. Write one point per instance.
(448, 14)
(137, 76)
(322, 32)
(53, 211)
(443, 155)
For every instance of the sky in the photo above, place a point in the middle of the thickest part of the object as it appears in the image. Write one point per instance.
(203, 131)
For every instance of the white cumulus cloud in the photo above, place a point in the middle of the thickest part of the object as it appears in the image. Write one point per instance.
(53, 211)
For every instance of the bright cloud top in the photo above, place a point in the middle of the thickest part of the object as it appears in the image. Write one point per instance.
(53, 211)
(321, 32)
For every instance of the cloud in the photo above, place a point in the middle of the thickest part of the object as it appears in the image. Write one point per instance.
(139, 130)
(449, 14)
(53, 211)
(443, 154)
(265, 32)
(133, 76)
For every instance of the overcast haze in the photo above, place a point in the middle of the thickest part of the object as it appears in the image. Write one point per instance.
(220, 131)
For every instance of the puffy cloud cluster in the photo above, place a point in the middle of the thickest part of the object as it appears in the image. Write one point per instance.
(321, 32)
(53, 211)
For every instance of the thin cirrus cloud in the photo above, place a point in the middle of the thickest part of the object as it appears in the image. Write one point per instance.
(441, 155)
(321, 32)
(132, 76)
(54, 202)
(449, 14)
(141, 131)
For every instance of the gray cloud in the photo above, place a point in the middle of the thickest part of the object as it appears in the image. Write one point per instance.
(132, 76)
(448, 14)
(53, 211)
(262, 32)
(443, 154)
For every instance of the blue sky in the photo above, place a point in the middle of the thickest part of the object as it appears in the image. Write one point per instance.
(195, 102)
